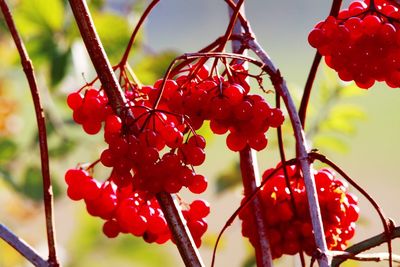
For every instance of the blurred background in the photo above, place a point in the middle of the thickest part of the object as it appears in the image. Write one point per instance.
(359, 130)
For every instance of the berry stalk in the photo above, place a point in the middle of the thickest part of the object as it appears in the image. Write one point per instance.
(117, 100)
(41, 123)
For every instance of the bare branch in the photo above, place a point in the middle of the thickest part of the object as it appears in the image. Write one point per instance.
(368, 244)
(377, 257)
(22, 247)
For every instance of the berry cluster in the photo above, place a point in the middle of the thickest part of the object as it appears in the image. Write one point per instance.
(89, 110)
(153, 146)
(128, 211)
(289, 228)
(227, 104)
(362, 43)
(134, 147)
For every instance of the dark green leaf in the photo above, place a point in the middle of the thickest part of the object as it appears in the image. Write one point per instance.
(8, 178)
(114, 31)
(31, 185)
(62, 148)
(153, 67)
(8, 149)
(58, 66)
(229, 178)
(250, 261)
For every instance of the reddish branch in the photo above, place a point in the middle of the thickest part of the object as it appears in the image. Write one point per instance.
(40, 119)
(117, 101)
(22, 247)
(313, 71)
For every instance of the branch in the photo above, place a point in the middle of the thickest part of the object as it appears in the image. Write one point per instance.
(301, 147)
(368, 244)
(117, 101)
(248, 163)
(251, 179)
(377, 257)
(313, 71)
(40, 119)
(22, 247)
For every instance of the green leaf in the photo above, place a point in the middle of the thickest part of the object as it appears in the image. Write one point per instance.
(62, 148)
(8, 178)
(58, 66)
(229, 179)
(250, 261)
(325, 142)
(114, 31)
(338, 125)
(350, 112)
(8, 149)
(351, 90)
(154, 67)
(32, 185)
(34, 16)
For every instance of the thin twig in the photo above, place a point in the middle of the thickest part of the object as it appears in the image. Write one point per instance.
(41, 123)
(377, 257)
(117, 101)
(367, 244)
(136, 30)
(22, 247)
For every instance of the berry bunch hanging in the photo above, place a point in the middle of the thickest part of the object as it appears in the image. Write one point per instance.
(362, 43)
(153, 147)
(227, 104)
(131, 211)
(289, 228)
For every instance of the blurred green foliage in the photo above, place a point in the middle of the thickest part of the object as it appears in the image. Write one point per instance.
(50, 34)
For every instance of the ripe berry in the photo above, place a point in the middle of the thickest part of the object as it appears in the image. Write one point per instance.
(289, 227)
